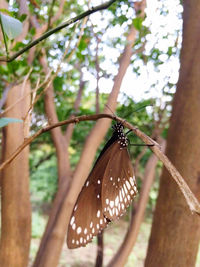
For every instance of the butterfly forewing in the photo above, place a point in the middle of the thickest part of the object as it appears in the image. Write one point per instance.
(119, 186)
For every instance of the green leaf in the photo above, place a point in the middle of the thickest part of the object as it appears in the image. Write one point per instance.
(12, 27)
(23, 17)
(6, 121)
(137, 23)
(6, 11)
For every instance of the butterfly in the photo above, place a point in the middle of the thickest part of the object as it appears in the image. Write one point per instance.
(107, 192)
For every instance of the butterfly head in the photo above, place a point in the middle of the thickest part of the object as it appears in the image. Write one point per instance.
(118, 127)
(121, 136)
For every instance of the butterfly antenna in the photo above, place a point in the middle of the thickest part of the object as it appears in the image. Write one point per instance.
(149, 105)
(110, 109)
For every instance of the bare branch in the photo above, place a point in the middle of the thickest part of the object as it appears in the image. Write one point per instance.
(189, 196)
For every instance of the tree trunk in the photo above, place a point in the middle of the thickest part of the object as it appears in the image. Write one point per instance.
(175, 231)
(16, 208)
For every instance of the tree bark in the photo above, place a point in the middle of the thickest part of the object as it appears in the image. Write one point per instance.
(15, 196)
(15, 202)
(56, 134)
(175, 231)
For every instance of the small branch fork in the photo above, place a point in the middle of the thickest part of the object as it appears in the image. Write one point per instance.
(63, 25)
(189, 196)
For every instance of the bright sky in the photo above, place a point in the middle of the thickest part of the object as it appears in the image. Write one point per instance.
(140, 87)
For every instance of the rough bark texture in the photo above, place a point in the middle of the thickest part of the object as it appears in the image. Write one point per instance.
(175, 231)
(15, 202)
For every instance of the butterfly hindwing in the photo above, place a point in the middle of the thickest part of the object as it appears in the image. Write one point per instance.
(119, 185)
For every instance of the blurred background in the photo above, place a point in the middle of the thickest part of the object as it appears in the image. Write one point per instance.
(128, 58)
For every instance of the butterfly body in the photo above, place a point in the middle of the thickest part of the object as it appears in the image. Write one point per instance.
(107, 192)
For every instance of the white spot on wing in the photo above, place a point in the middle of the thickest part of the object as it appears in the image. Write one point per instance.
(128, 185)
(131, 181)
(117, 213)
(125, 189)
(110, 211)
(98, 213)
(113, 211)
(120, 195)
(123, 194)
(72, 220)
(119, 206)
(79, 230)
(116, 201)
(111, 204)
(135, 188)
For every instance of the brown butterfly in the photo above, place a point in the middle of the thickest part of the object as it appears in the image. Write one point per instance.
(107, 192)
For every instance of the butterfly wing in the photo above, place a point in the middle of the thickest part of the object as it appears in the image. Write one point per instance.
(107, 192)
(87, 218)
(119, 185)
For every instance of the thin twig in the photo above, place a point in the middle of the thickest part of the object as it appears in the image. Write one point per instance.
(52, 31)
(4, 38)
(50, 14)
(189, 196)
